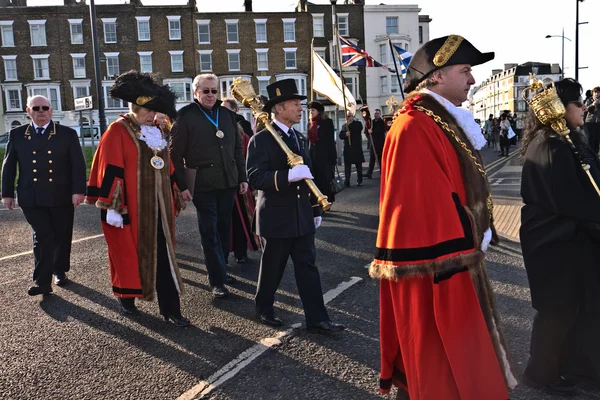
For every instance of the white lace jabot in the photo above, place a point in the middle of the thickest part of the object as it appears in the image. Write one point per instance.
(153, 137)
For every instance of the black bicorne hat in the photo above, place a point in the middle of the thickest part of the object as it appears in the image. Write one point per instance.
(439, 53)
(281, 91)
(145, 91)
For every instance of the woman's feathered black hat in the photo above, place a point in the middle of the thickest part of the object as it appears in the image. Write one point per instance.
(145, 91)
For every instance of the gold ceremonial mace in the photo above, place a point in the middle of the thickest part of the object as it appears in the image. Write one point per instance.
(243, 92)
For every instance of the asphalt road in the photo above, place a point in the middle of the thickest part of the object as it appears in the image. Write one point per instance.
(75, 344)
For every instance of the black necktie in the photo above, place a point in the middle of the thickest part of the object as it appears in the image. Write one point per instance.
(40, 131)
(294, 141)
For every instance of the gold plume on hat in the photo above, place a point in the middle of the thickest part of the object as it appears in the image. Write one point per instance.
(443, 55)
(141, 100)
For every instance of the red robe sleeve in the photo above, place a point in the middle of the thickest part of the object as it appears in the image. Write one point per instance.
(106, 187)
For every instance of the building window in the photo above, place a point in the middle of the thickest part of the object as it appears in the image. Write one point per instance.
(232, 30)
(289, 29)
(76, 26)
(112, 64)
(233, 60)
(182, 89)
(10, 68)
(262, 59)
(225, 87)
(383, 84)
(290, 58)
(205, 60)
(143, 28)
(145, 61)
(110, 30)
(391, 25)
(78, 65)
(41, 68)
(8, 37)
(318, 25)
(13, 99)
(261, 30)
(52, 93)
(81, 91)
(37, 30)
(349, 82)
(394, 85)
(203, 31)
(109, 101)
(15, 124)
(321, 51)
(420, 34)
(342, 20)
(174, 27)
(383, 53)
(263, 82)
(176, 60)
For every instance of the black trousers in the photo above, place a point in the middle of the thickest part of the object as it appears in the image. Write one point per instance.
(166, 291)
(348, 172)
(548, 344)
(52, 236)
(372, 159)
(238, 235)
(272, 264)
(592, 130)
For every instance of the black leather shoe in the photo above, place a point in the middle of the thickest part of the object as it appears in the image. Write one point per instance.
(369, 176)
(178, 321)
(37, 290)
(220, 292)
(561, 387)
(358, 183)
(61, 279)
(128, 306)
(270, 319)
(230, 280)
(325, 327)
(242, 260)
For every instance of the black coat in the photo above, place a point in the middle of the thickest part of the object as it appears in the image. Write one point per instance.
(283, 209)
(560, 226)
(324, 157)
(378, 134)
(194, 144)
(353, 151)
(246, 125)
(51, 167)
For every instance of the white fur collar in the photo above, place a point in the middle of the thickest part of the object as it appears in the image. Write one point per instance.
(464, 119)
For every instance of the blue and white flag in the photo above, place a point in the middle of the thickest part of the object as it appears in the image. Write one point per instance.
(404, 56)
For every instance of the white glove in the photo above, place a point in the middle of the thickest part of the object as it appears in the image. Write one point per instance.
(298, 173)
(318, 221)
(113, 218)
(487, 238)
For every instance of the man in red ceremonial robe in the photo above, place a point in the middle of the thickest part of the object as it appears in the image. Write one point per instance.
(440, 333)
(132, 182)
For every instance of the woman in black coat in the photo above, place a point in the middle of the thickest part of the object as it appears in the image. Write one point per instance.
(351, 134)
(560, 238)
(321, 139)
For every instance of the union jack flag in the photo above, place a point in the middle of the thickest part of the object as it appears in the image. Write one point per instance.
(352, 55)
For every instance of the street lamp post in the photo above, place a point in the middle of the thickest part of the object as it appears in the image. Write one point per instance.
(577, 23)
(562, 66)
(96, 47)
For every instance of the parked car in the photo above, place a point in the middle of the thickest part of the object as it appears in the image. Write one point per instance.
(3, 140)
(87, 131)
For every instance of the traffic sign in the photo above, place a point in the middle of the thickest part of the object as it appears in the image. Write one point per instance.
(83, 103)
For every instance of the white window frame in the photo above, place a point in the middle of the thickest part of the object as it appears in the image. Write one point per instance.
(113, 55)
(203, 22)
(47, 87)
(394, 85)
(38, 23)
(231, 52)
(187, 84)
(383, 52)
(105, 88)
(78, 56)
(145, 54)
(17, 87)
(383, 84)
(397, 26)
(11, 59)
(266, 79)
(205, 53)
(7, 26)
(80, 83)
(73, 22)
(145, 20)
(346, 31)
(174, 18)
(260, 52)
(289, 22)
(257, 22)
(176, 53)
(353, 84)
(225, 82)
(287, 50)
(36, 57)
(319, 33)
(237, 28)
(109, 21)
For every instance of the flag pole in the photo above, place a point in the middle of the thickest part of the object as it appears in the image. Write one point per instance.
(338, 54)
(312, 68)
(395, 55)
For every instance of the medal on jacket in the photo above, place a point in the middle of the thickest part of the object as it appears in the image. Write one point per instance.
(157, 162)
(155, 142)
(219, 133)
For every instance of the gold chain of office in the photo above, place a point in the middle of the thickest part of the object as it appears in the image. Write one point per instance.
(450, 131)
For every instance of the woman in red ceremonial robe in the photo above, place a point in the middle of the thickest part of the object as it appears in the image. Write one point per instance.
(132, 183)
(440, 333)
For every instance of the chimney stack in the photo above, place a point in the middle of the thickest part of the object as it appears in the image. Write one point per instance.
(248, 5)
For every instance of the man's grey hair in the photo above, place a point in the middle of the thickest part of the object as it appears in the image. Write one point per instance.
(201, 77)
(431, 80)
(31, 99)
(232, 103)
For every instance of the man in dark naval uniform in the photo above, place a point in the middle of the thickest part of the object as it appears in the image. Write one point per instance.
(51, 184)
(287, 212)
(377, 133)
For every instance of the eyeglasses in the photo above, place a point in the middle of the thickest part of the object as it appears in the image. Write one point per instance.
(37, 108)
(207, 91)
(577, 103)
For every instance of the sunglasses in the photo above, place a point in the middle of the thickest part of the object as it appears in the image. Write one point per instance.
(207, 91)
(37, 108)
(577, 103)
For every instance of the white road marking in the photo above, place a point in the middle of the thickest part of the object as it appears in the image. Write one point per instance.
(244, 359)
(31, 251)
(498, 181)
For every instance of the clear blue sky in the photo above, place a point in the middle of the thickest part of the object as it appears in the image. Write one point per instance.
(514, 29)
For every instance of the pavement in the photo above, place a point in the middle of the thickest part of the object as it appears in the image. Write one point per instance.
(75, 344)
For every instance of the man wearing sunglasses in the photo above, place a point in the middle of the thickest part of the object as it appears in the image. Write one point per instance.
(209, 164)
(51, 184)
